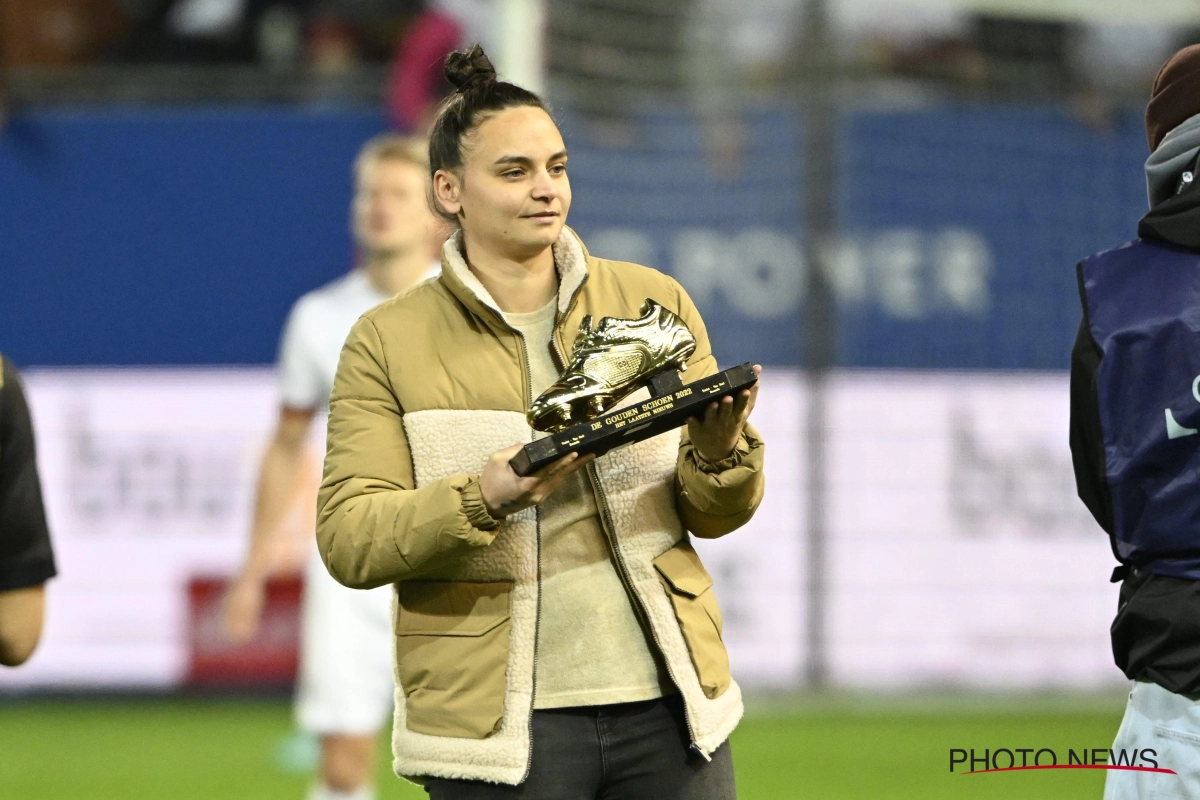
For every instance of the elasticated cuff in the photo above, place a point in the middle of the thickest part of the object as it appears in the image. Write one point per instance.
(475, 509)
(730, 486)
(729, 462)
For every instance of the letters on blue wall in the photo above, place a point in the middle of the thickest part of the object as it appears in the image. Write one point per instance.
(182, 236)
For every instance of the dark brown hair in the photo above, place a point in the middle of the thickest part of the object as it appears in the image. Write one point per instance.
(477, 95)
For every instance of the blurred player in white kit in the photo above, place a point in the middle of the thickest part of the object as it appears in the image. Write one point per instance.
(344, 693)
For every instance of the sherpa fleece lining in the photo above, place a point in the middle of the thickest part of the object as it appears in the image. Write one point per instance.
(446, 443)
(569, 260)
(638, 483)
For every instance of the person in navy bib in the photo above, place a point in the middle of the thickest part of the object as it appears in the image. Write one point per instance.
(1135, 441)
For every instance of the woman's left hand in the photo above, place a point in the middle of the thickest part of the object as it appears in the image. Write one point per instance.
(716, 434)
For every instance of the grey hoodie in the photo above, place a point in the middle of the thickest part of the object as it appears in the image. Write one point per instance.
(1168, 161)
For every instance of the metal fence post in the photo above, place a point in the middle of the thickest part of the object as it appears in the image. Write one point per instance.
(818, 226)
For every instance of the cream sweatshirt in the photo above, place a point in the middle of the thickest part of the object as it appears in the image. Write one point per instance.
(591, 649)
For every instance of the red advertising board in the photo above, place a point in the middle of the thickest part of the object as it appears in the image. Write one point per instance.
(266, 661)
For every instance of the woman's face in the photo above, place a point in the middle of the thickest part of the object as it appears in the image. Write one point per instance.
(513, 194)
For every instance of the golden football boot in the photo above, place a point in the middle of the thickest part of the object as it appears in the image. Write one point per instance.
(610, 361)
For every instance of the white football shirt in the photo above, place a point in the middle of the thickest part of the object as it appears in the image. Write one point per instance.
(316, 329)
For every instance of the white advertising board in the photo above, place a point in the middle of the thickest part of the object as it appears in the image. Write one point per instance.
(957, 553)
(147, 477)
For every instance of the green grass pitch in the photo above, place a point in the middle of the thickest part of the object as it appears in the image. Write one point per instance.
(831, 748)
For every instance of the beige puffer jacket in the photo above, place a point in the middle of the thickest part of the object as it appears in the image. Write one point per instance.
(428, 386)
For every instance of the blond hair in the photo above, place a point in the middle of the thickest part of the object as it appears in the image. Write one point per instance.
(392, 147)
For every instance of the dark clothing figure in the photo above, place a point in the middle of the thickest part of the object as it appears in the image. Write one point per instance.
(1156, 633)
(26, 557)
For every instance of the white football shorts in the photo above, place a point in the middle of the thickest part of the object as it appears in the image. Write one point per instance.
(346, 682)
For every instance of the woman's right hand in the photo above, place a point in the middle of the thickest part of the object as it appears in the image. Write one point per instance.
(242, 606)
(505, 492)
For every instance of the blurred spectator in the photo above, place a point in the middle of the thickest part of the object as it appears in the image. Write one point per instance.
(377, 24)
(279, 37)
(59, 32)
(26, 557)
(344, 32)
(994, 51)
(1091, 60)
(1090, 63)
(207, 30)
(332, 47)
(333, 35)
(416, 85)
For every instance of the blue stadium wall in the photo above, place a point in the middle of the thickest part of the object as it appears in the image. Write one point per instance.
(181, 236)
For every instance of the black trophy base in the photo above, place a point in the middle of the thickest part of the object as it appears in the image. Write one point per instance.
(670, 405)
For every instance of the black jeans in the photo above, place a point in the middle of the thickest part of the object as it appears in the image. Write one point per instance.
(629, 751)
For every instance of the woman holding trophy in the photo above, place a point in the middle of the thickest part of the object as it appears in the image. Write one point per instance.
(556, 634)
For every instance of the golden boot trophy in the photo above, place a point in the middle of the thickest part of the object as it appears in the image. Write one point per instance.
(609, 361)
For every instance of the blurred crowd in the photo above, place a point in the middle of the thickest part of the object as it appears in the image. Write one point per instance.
(604, 57)
(328, 33)
(759, 38)
(322, 37)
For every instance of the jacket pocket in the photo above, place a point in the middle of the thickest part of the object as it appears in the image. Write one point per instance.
(452, 640)
(690, 588)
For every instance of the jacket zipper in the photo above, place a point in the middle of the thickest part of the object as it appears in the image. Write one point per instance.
(623, 572)
(639, 605)
(537, 623)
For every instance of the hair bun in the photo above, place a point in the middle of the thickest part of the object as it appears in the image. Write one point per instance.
(469, 68)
